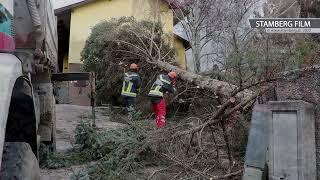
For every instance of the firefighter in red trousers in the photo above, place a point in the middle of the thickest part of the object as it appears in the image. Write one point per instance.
(163, 84)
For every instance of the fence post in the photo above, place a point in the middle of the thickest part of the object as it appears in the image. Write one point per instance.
(92, 98)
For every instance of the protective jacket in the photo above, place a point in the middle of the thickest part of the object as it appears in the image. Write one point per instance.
(162, 85)
(131, 84)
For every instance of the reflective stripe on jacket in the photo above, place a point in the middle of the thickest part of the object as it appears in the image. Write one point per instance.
(160, 86)
(131, 84)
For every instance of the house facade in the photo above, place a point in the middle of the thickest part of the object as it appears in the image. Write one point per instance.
(76, 18)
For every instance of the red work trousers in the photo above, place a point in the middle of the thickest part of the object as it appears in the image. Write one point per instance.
(160, 113)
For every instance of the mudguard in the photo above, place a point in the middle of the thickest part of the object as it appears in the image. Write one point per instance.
(10, 71)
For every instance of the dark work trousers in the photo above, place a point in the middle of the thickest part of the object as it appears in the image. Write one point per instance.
(130, 104)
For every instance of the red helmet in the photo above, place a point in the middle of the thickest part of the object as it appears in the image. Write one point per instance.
(134, 66)
(172, 75)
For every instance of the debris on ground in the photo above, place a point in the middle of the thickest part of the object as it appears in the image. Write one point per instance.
(68, 117)
(138, 150)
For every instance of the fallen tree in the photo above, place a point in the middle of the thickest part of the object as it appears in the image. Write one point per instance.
(213, 106)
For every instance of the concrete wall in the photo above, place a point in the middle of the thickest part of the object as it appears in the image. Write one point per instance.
(286, 130)
(258, 142)
(291, 140)
(303, 85)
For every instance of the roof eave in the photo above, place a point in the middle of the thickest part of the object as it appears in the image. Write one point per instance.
(71, 6)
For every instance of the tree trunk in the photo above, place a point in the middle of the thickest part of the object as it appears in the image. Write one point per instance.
(196, 59)
(213, 85)
(196, 36)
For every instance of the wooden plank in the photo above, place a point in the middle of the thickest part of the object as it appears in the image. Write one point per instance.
(70, 77)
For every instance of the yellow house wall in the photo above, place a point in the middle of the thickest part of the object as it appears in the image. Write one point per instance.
(85, 17)
(153, 10)
(180, 53)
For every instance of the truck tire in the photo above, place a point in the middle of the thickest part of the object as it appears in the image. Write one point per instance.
(19, 162)
(21, 124)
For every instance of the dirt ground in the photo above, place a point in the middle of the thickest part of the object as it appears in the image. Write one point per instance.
(68, 116)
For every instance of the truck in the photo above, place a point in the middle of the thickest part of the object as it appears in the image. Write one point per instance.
(28, 58)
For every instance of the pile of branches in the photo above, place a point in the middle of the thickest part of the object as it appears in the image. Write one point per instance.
(139, 152)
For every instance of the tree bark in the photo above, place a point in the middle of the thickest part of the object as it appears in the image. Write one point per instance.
(196, 58)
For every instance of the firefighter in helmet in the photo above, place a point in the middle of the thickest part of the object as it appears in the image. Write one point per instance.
(130, 88)
(165, 83)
